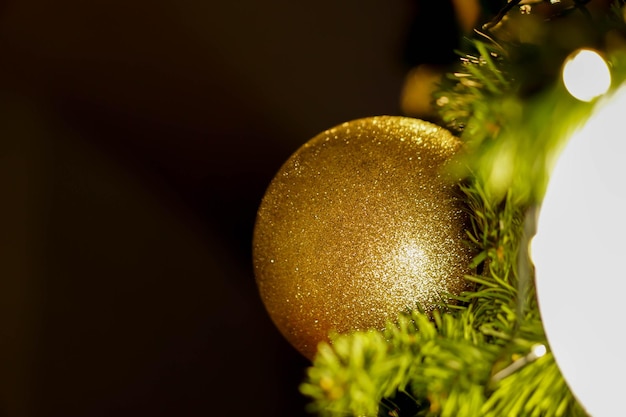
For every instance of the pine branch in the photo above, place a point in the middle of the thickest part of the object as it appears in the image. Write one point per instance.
(509, 135)
(476, 358)
(434, 360)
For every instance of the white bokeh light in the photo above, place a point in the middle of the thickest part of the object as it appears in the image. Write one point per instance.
(580, 259)
(586, 75)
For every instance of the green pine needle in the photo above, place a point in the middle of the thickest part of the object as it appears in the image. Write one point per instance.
(475, 358)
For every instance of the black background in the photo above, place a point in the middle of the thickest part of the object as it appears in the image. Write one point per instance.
(136, 141)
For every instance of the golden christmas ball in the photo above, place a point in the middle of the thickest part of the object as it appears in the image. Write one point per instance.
(360, 224)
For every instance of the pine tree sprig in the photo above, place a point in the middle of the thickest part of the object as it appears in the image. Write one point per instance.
(416, 355)
(478, 357)
(538, 389)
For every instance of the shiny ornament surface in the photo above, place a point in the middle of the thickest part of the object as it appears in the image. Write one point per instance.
(360, 224)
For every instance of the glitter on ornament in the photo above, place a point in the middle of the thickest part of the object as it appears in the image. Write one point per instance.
(360, 224)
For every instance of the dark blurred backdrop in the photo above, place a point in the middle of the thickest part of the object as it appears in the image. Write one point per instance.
(136, 141)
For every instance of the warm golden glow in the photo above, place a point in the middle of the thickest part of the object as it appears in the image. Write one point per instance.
(467, 13)
(419, 85)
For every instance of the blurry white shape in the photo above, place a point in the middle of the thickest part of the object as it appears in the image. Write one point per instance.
(539, 350)
(580, 259)
(586, 75)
